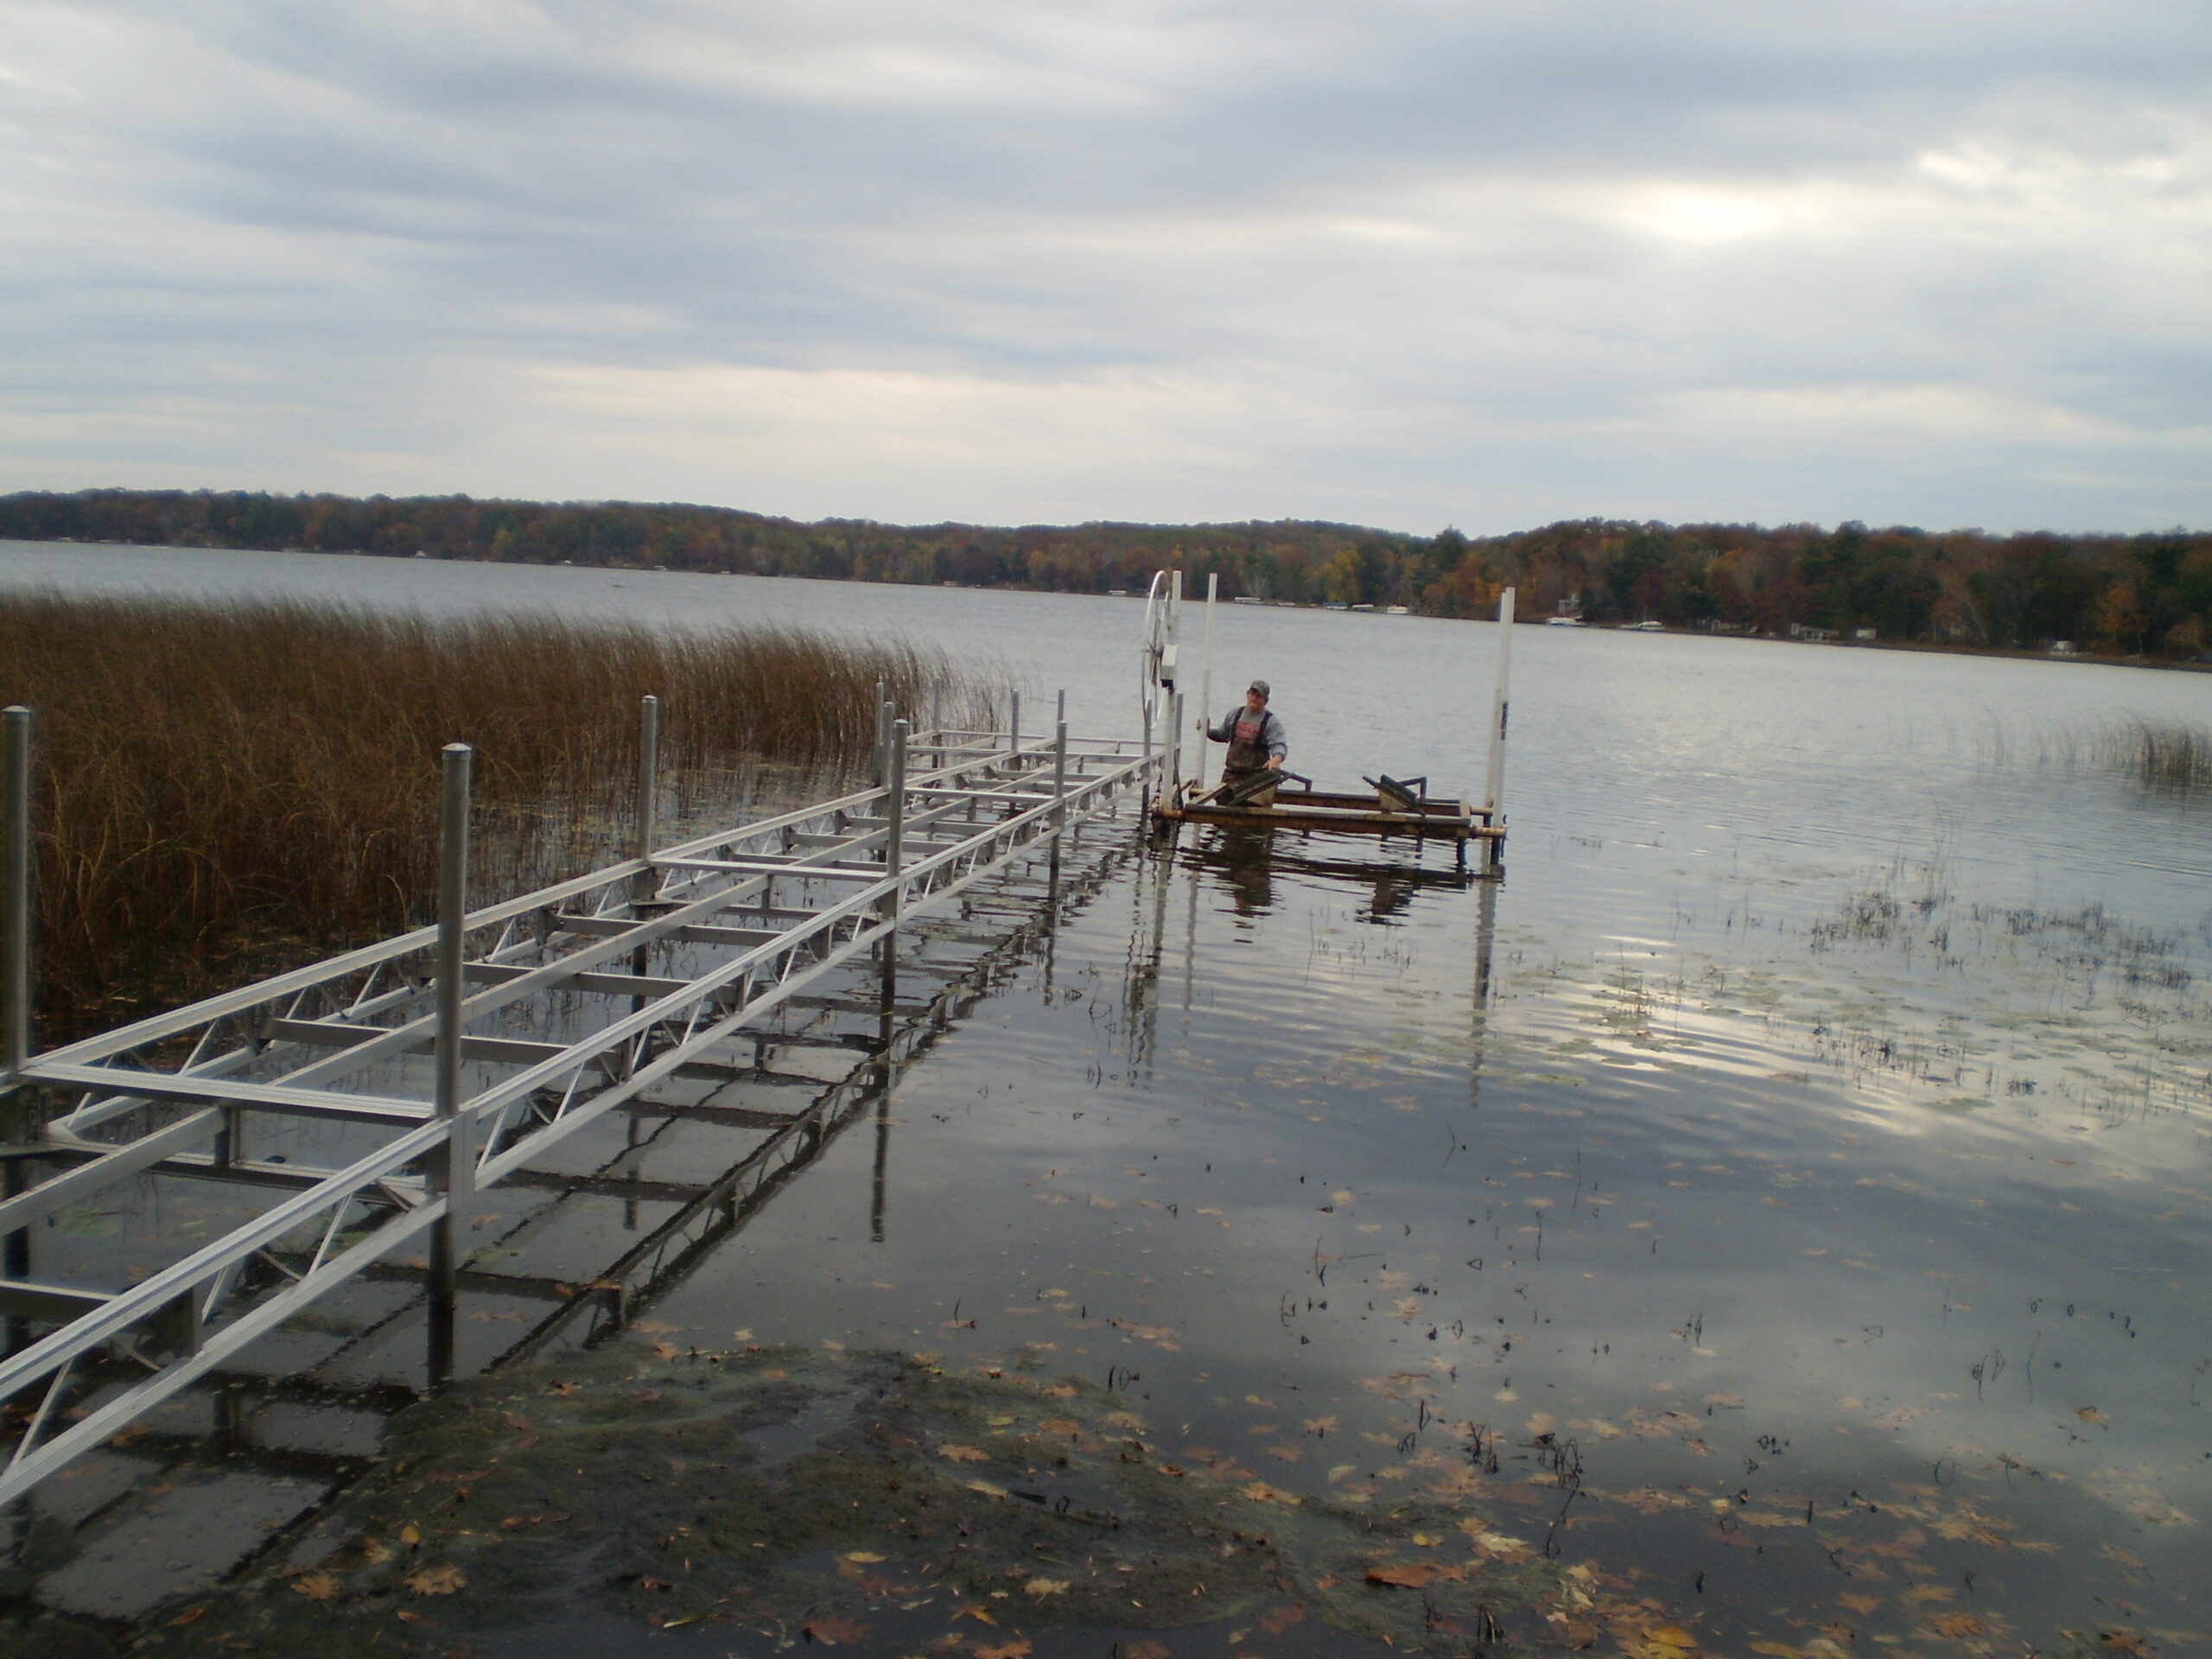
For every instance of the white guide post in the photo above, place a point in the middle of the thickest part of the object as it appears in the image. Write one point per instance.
(1206, 687)
(1494, 775)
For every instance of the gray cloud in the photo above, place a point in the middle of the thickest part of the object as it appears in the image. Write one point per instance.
(1410, 262)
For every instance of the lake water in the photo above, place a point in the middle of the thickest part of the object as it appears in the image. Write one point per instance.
(1813, 1131)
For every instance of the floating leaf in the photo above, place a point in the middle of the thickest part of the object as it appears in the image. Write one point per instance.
(1041, 1588)
(1958, 1626)
(953, 1454)
(1017, 1648)
(1409, 1575)
(2091, 1415)
(440, 1581)
(318, 1586)
(831, 1630)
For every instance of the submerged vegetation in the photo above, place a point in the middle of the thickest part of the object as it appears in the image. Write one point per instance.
(219, 790)
(880, 1501)
(2147, 596)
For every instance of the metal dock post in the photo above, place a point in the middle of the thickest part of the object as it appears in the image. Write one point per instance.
(1501, 708)
(894, 802)
(452, 1166)
(1206, 685)
(1060, 767)
(15, 994)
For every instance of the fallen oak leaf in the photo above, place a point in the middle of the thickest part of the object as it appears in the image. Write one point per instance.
(443, 1579)
(1957, 1626)
(318, 1586)
(1409, 1575)
(2091, 1415)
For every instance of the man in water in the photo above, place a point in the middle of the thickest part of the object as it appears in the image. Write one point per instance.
(1257, 742)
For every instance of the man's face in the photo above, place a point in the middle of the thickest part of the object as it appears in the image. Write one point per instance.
(1253, 702)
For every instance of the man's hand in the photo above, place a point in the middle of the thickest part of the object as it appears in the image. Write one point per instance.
(1274, 763)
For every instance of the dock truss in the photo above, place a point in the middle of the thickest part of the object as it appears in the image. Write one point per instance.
(414, 1088)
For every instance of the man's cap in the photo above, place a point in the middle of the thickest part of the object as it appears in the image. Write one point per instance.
(1260, 686)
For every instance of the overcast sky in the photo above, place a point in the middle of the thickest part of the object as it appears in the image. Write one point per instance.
(1405, 262)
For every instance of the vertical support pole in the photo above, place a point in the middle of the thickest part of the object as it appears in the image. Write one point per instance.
(895, 833)
(648, 775)
(1206, 687)
(936, 727)
(1175, 749)
(1061, 768)
(881, 759)
(1013, 729)
(1500, 710)
(16, 945)
(453, 1168)
(15, 867)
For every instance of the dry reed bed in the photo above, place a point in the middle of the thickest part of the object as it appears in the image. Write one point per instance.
(222, 790)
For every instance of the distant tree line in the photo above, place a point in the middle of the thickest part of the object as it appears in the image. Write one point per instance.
(2129, 595)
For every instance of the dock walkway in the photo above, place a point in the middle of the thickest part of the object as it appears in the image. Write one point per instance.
(348, 1110)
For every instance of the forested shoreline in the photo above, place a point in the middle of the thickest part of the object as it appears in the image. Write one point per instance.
(2142, 595)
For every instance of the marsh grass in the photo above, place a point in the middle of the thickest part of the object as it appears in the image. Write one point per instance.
(2166, 756)
(220, 791)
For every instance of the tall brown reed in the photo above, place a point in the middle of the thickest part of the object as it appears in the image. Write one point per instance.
(224, 790)
(2164, 756)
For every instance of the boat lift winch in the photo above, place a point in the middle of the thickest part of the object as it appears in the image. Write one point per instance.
(1391, 806)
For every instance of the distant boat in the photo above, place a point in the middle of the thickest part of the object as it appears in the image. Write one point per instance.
(1647, 627)
(1562, 621)
(1397, 610)
(1362, 607)
(1247, 598)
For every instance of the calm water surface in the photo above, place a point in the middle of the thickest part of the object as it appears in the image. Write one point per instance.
(1811, 1130)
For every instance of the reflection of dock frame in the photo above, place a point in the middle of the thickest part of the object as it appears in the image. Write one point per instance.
(455, 1057)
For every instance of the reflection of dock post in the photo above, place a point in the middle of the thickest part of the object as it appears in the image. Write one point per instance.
(1501, 708)
(15, 1000)
(453, 1167)
(1478, 1018)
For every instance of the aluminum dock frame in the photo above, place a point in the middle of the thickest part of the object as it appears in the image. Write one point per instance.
(446, 1061)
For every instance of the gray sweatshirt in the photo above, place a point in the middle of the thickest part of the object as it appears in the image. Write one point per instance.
(1275, 741)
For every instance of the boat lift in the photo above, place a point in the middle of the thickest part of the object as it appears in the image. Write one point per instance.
(1393, 807)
